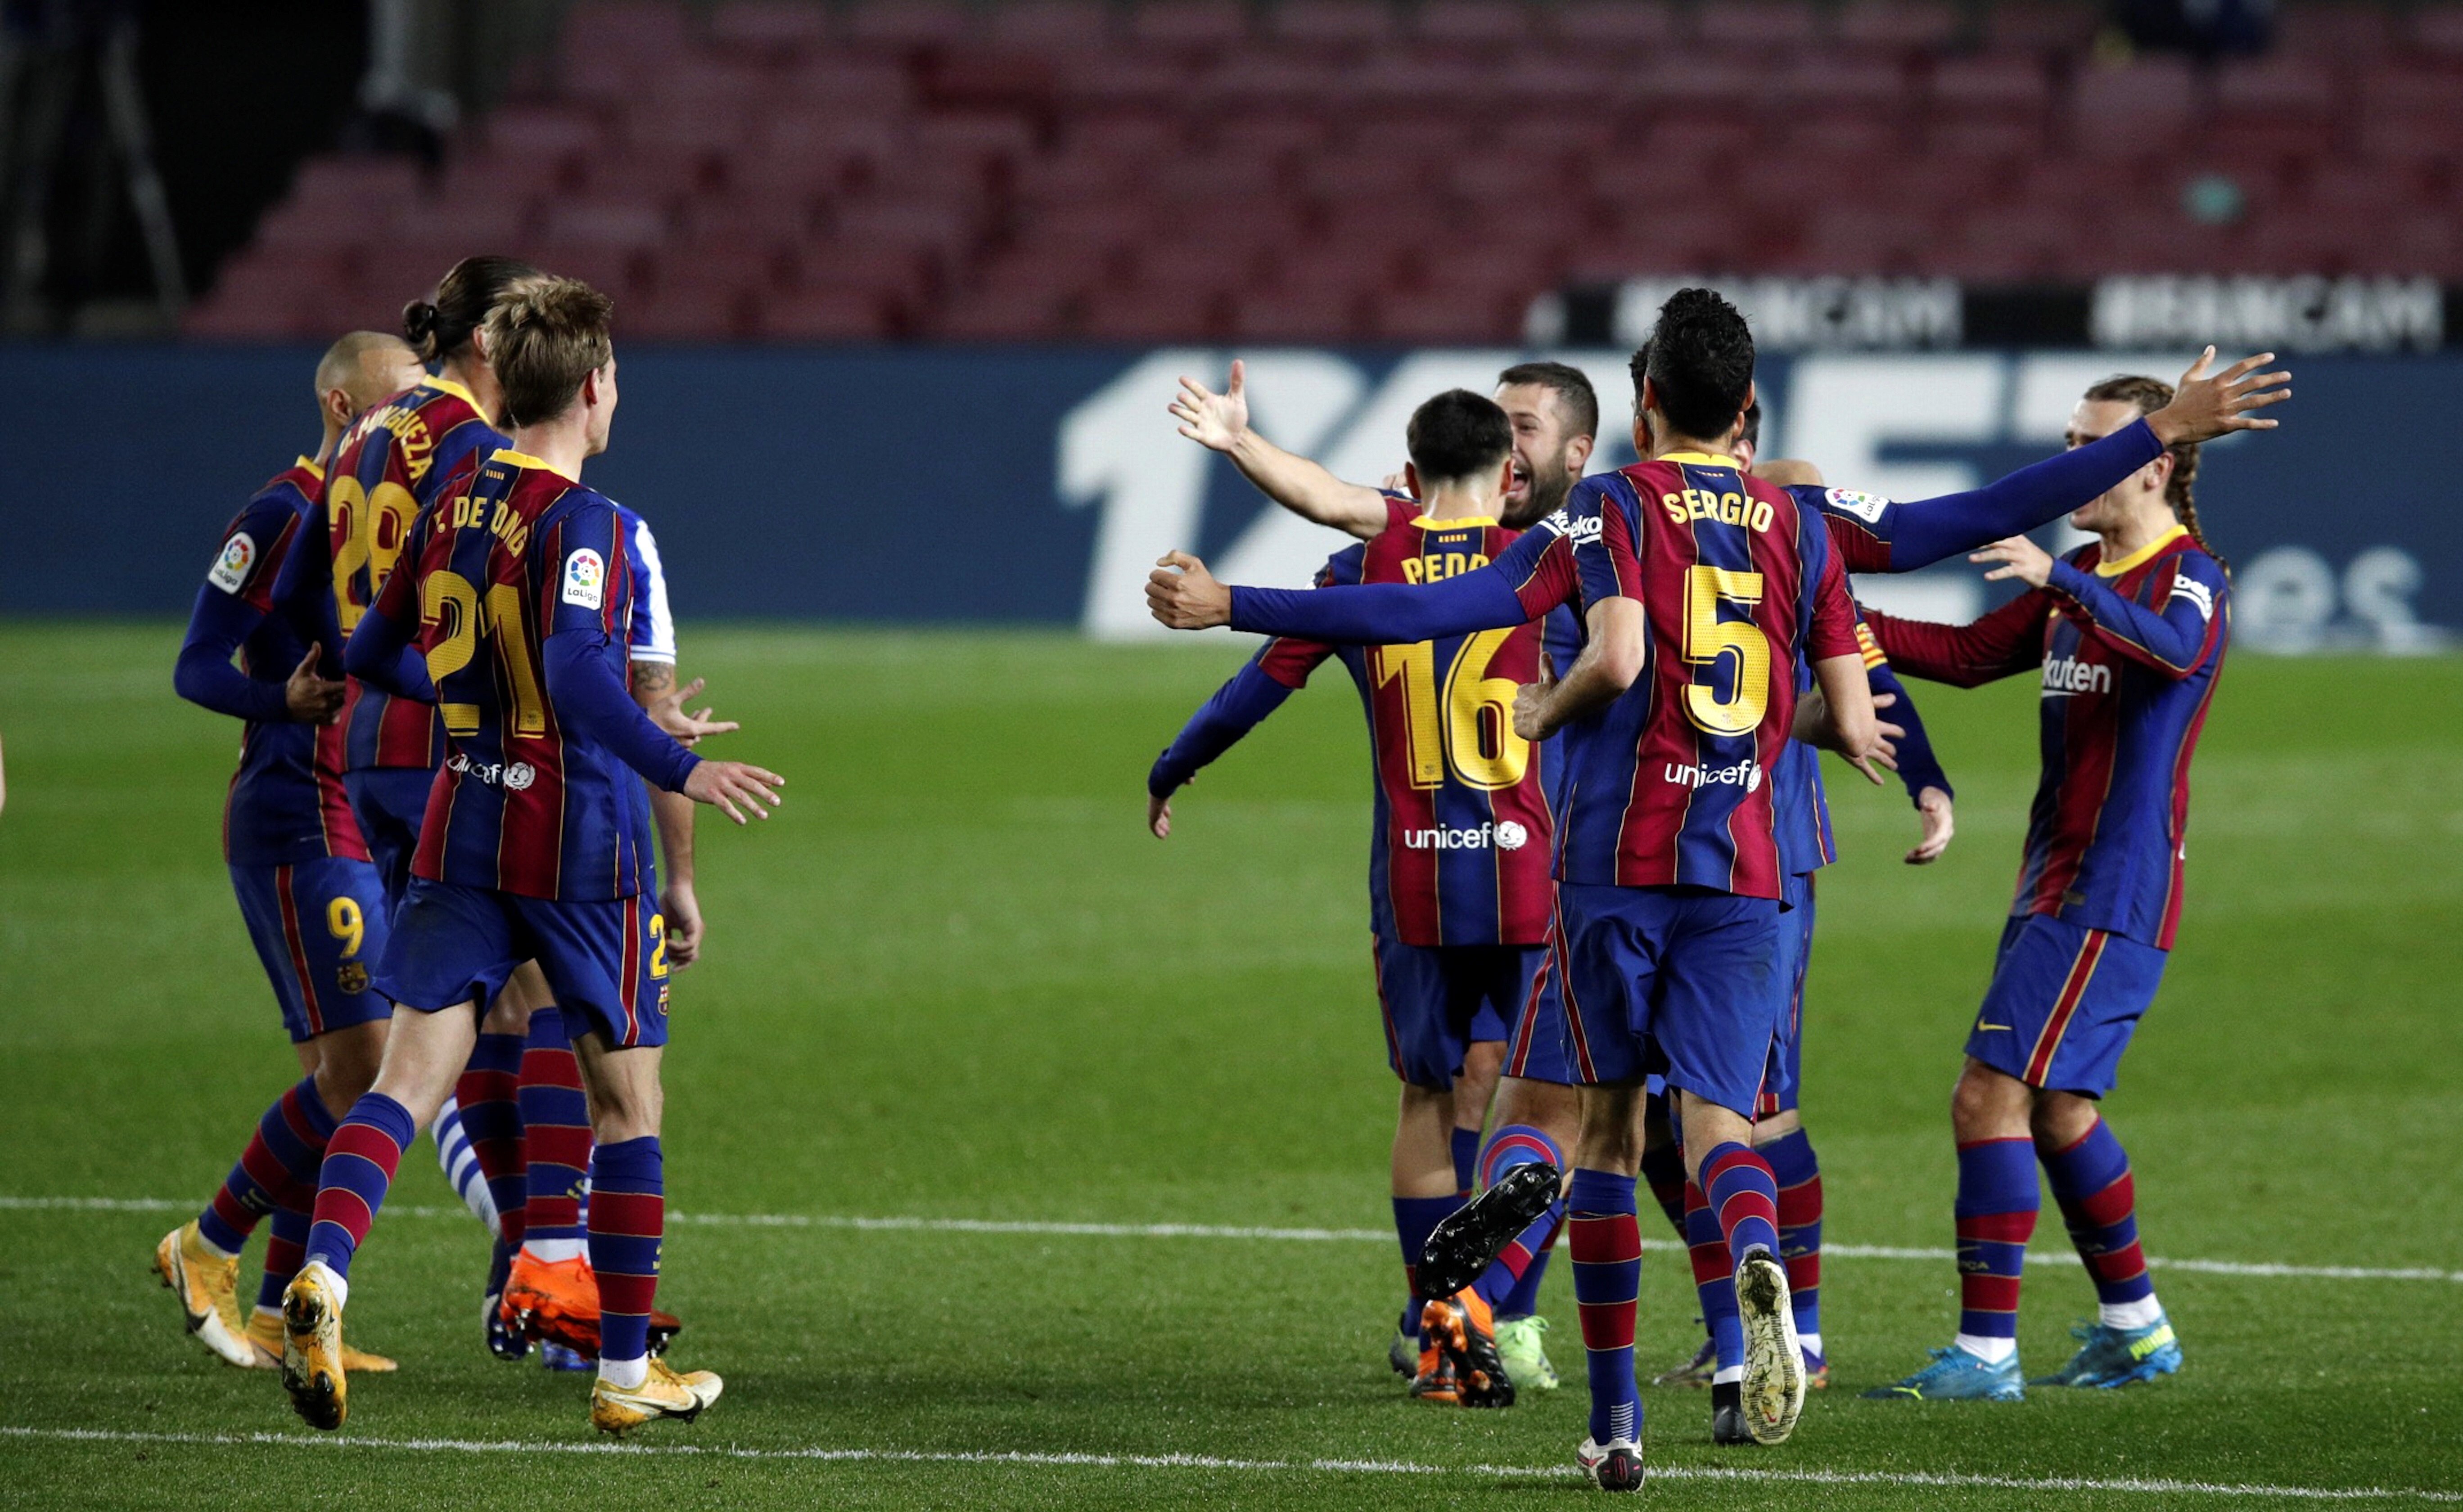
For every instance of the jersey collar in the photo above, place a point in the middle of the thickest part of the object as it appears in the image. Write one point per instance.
(523, 458)
(448, 386)
(2143, 556)
(1698, 459)
(1430, 522)
(309, 466)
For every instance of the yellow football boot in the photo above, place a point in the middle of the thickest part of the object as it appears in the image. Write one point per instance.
(208, 1286)
(663, 1392)
(312, 1348)
(265, 1332)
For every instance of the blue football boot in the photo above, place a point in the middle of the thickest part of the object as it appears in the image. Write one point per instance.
(2111, 1357)
(1955, 1375)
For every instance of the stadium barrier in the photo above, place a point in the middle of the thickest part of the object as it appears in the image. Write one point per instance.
(1036, 487)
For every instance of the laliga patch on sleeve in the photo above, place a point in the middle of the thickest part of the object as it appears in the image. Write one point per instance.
(230, 570)
(585, 579)
(1865, 507)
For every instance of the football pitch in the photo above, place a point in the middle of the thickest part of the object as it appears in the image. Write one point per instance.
(1017, 1159)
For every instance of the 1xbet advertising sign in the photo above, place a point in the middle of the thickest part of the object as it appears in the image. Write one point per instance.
(1037, 487)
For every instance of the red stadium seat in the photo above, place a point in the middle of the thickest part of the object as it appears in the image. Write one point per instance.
(1618, 26)
(2137, 110)
(1207, 26)
(1766, 27)
(899, 25)
(1989, 86)
(2045, 26)
(1305, 313)
(1898, 25)
(1356, 25)
(2438, 32)
(1052, 27)
(769, 29)
(844, 313)
(698, 311)
(1441, 316)
(1481, 27)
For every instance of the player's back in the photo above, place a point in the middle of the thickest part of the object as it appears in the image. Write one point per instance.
(525, 804)
(396, 458)
(1463, 841)
(1670, 784)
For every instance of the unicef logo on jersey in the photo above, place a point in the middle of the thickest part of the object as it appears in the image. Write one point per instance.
(1504, 835)
(1511, 836)
(520, 776)
(1745, 774)
(514, 776)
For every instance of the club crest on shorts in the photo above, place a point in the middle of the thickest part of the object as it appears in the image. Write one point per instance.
(352, 977)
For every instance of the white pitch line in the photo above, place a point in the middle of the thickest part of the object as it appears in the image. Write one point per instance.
(1308, 1236)
(1081, 1461)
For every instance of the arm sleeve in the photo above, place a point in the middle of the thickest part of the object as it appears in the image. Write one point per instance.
(592, 589)
(380, 653)
(2008, 640)
(2172, 640)
(1234, 710)
(1833, 633)
(1881, 535)
(303, 590)
(1918, 768)
(653, 628)
(1383, 614)
(204, 674)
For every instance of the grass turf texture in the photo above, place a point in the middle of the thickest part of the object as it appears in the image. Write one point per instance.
(955, 978)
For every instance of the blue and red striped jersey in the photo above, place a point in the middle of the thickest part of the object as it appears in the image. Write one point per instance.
(1668, 784)
(1460, 853)
(286, 804)
(526, 802)
(2128, 652)
(396, 458)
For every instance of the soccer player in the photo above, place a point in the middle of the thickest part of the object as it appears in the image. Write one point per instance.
(1458, 887)
(308, 893)
(513, 620)
(1555, 416)
(2127, 634)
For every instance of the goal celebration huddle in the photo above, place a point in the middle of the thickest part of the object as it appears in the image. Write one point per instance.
(1595, 705)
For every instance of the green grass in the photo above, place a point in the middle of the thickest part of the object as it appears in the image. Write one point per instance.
(955, 978)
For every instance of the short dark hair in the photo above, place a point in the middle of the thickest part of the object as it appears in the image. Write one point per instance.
(1458, 434)
(468, 290)
(1571, 385)
(1700, 358)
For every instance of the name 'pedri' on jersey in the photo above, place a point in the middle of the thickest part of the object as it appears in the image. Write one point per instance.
(522, 805)
(1460, 856)
(1670, 784)
(2128, 652)
(395, 459)
(286, 804)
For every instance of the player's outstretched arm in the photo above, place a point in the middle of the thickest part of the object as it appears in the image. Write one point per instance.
(1614, 651)
(2171, 640)
(1237, 707)
(1920, 771)
(205, 675)
(1519, 586)
(2005, 642)
(1220, 423)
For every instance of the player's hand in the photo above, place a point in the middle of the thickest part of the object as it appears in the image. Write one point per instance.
(1531, 703)
(1400, 482)
(2019, 558)
(682, 912)
(1815, 727)
(2205, 407)
(1214, 421)
(670, 715)
(1159, 816)
(310, 698)
(1185, 595)
(1935, 826)
(724, 783)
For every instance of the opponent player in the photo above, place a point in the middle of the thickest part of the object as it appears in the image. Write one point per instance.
(518, 605)
(1555, 416)
(2128, 635)
(311, 898)
(1458, 886)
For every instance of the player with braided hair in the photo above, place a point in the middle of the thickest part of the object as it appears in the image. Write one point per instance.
(2128, 633)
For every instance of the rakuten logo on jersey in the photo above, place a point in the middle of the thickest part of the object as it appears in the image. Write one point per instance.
(1745, 774)
(1505, 836)
(2064, 676)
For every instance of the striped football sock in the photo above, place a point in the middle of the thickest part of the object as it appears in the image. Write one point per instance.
(1997, 1198)
(1714, 1284)
(489, 1094)
(1512, 1282)
(284, 1153)
(2099, 1202)
(359, 1164)
(556, 1140)
(1606, 1238)
(286, 1242)
(1663, 1166)
(1744, 1196)
(628, 1210)
(1799, 1173)
(460, 1165)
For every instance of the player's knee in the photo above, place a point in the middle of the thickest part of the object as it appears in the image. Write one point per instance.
(1988, 1105)
(2061, 1119)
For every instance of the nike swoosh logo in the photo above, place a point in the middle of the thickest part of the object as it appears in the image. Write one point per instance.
(1981, 1025)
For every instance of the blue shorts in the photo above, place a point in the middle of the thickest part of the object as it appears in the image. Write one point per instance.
(2064, 1000)
(1783, 1078)
(606, 959)
(391, 802)
(1537, 1052)
(317, 926)
(1682, 981)
(1438, 998)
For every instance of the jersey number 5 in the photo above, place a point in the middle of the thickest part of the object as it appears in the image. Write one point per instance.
(1473, 732)
(1709, 640)
(450, 608)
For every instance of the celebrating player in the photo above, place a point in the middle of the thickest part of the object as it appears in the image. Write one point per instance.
(311, 898)
(519, 606)
(1458, 887)
(2128, 633)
